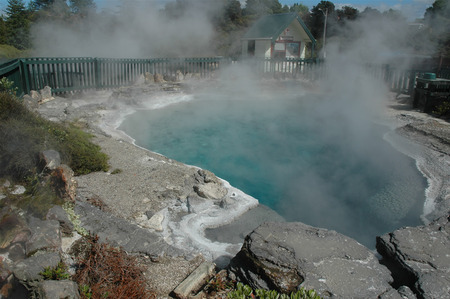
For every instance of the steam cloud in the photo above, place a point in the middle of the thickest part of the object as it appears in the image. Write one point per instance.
(138, 30)
(343, 116)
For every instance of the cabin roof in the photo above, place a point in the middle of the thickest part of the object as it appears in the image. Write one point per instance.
(271, 26)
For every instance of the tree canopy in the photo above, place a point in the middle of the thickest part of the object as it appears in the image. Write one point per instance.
(233, 18)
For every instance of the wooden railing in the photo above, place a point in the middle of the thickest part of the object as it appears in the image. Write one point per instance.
(80, 73)
(74, 74)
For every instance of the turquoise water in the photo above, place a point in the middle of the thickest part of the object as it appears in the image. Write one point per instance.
(306, 158)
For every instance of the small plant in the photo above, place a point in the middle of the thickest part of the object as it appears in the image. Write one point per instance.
(442, 109)
(244, 291)
(85, 291)
(116, 171)
(74, 218)
(8, 86)
(57, 273)
(218, 283)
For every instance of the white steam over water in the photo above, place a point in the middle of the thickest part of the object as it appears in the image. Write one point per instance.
(346, 99)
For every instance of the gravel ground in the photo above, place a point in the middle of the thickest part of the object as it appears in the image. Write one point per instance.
(146, 183)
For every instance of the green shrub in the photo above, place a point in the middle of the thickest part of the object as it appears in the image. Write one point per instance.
(57, 273)
(7, 86)
(244, 291)
(24, 134)
(442, 109)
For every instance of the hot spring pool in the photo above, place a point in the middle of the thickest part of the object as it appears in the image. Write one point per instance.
(308, 159)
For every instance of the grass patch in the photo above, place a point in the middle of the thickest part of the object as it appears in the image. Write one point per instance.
(24, 134)
(9, 52)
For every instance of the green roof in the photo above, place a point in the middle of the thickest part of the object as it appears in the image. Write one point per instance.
(271, 26)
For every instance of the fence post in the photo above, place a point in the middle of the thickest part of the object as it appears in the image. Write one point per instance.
(24, 74)
(412, 82)
(97, 73)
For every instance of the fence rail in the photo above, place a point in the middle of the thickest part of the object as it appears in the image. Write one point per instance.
(80, 73)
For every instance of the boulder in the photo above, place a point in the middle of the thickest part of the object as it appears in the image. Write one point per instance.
(58, 289)
(179, 76)
(13, 228)
(27, 271)
(149, 78)
(49, 159)
(46, 94)
(59, 214)
(18, 189)
(45, 235)
(158, 78)
(285, 256)
(63, 182)
(31, 102)
(419, 257)
(209, 186)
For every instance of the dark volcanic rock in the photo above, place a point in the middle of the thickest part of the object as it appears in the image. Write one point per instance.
(284, 256)
(420, 257)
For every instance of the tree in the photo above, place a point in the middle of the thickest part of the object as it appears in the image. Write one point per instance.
(3, 31)
(51, 9)
(257, 8)
(17, 24)
(437, 19)
(346, 13)
(82, 7)
(301, 9)
(317, 17)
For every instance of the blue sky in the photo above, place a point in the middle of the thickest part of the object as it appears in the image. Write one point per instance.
(411, 8)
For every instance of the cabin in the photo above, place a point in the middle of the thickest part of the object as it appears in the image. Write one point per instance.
(278, 36)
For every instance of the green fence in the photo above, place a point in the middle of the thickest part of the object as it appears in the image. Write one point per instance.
(75, 74)
(79, 73)
(12, 71)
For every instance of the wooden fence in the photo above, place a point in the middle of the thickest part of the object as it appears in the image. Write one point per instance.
(80, 73)
(75, 74)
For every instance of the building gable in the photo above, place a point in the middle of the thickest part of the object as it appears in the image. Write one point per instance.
(271, 27)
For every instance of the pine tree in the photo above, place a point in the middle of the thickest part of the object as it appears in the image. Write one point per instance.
(17, 25)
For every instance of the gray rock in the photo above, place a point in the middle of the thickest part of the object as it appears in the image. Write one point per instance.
(158, 78)
(46, 94)
(28, 270)
(36, 96)
(30, 102)
(58, 213)
(149, 78)
(419, 257)
(16, 252)
(402, 293)
(49, 159)
(13, 228)
(18, 189)
(120, 232)
(58, 289)
(45, 235)
(285, 256)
